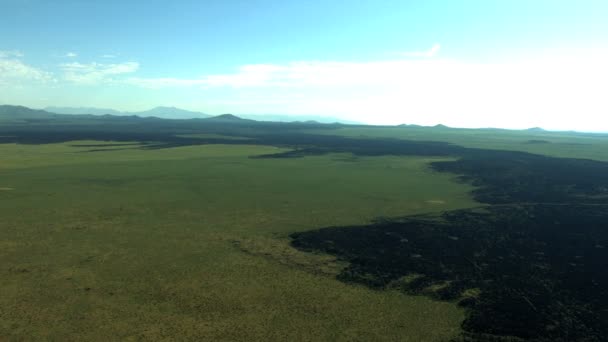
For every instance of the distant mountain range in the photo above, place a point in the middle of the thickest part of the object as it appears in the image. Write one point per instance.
(158, 112)
(177, 113)
(298, 118)
(21, 114)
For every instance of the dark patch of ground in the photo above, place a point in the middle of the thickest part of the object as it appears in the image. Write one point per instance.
(541, 269)
(106, 145)
(504, 177)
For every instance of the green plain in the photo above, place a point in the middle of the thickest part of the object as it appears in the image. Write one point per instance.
(555, 144)
(191, 243)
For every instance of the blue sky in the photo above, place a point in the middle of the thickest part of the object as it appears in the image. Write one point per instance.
(479, 63)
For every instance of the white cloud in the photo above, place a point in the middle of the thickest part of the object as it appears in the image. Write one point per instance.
(71, 55)
(95, 73)
(554, 92)
(291, 75)
(108, 56)
(14, 71)
(432, 52)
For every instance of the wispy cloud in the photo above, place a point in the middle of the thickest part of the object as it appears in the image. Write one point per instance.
(108, 56)
(71, 55)
(10, 54)
(13, 70)
(254, 75)
(304, 74)
(432, 52)
(95, 73)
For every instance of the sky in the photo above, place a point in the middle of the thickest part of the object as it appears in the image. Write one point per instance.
(484, 63)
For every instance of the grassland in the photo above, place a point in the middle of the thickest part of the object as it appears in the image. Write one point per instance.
(555, 144)
(190, 243)
(150, 229)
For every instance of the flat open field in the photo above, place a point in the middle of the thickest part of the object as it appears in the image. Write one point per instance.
(239, 230)
(191, 243)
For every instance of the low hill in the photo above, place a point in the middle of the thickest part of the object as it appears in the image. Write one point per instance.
(20, 113)
(535, 129)
(228, 118)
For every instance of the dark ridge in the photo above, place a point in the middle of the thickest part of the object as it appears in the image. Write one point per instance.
(228, 117)
(23, 112)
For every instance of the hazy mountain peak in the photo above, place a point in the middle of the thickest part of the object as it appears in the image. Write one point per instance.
(82, 110)
(163, 112)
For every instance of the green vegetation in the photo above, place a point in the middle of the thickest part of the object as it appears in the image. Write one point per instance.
(192, 242)
(557, 144)
(144, 228)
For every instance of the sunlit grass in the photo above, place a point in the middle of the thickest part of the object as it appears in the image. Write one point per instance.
(191, 242)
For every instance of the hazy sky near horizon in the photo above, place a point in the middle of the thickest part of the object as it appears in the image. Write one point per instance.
(501, 63)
